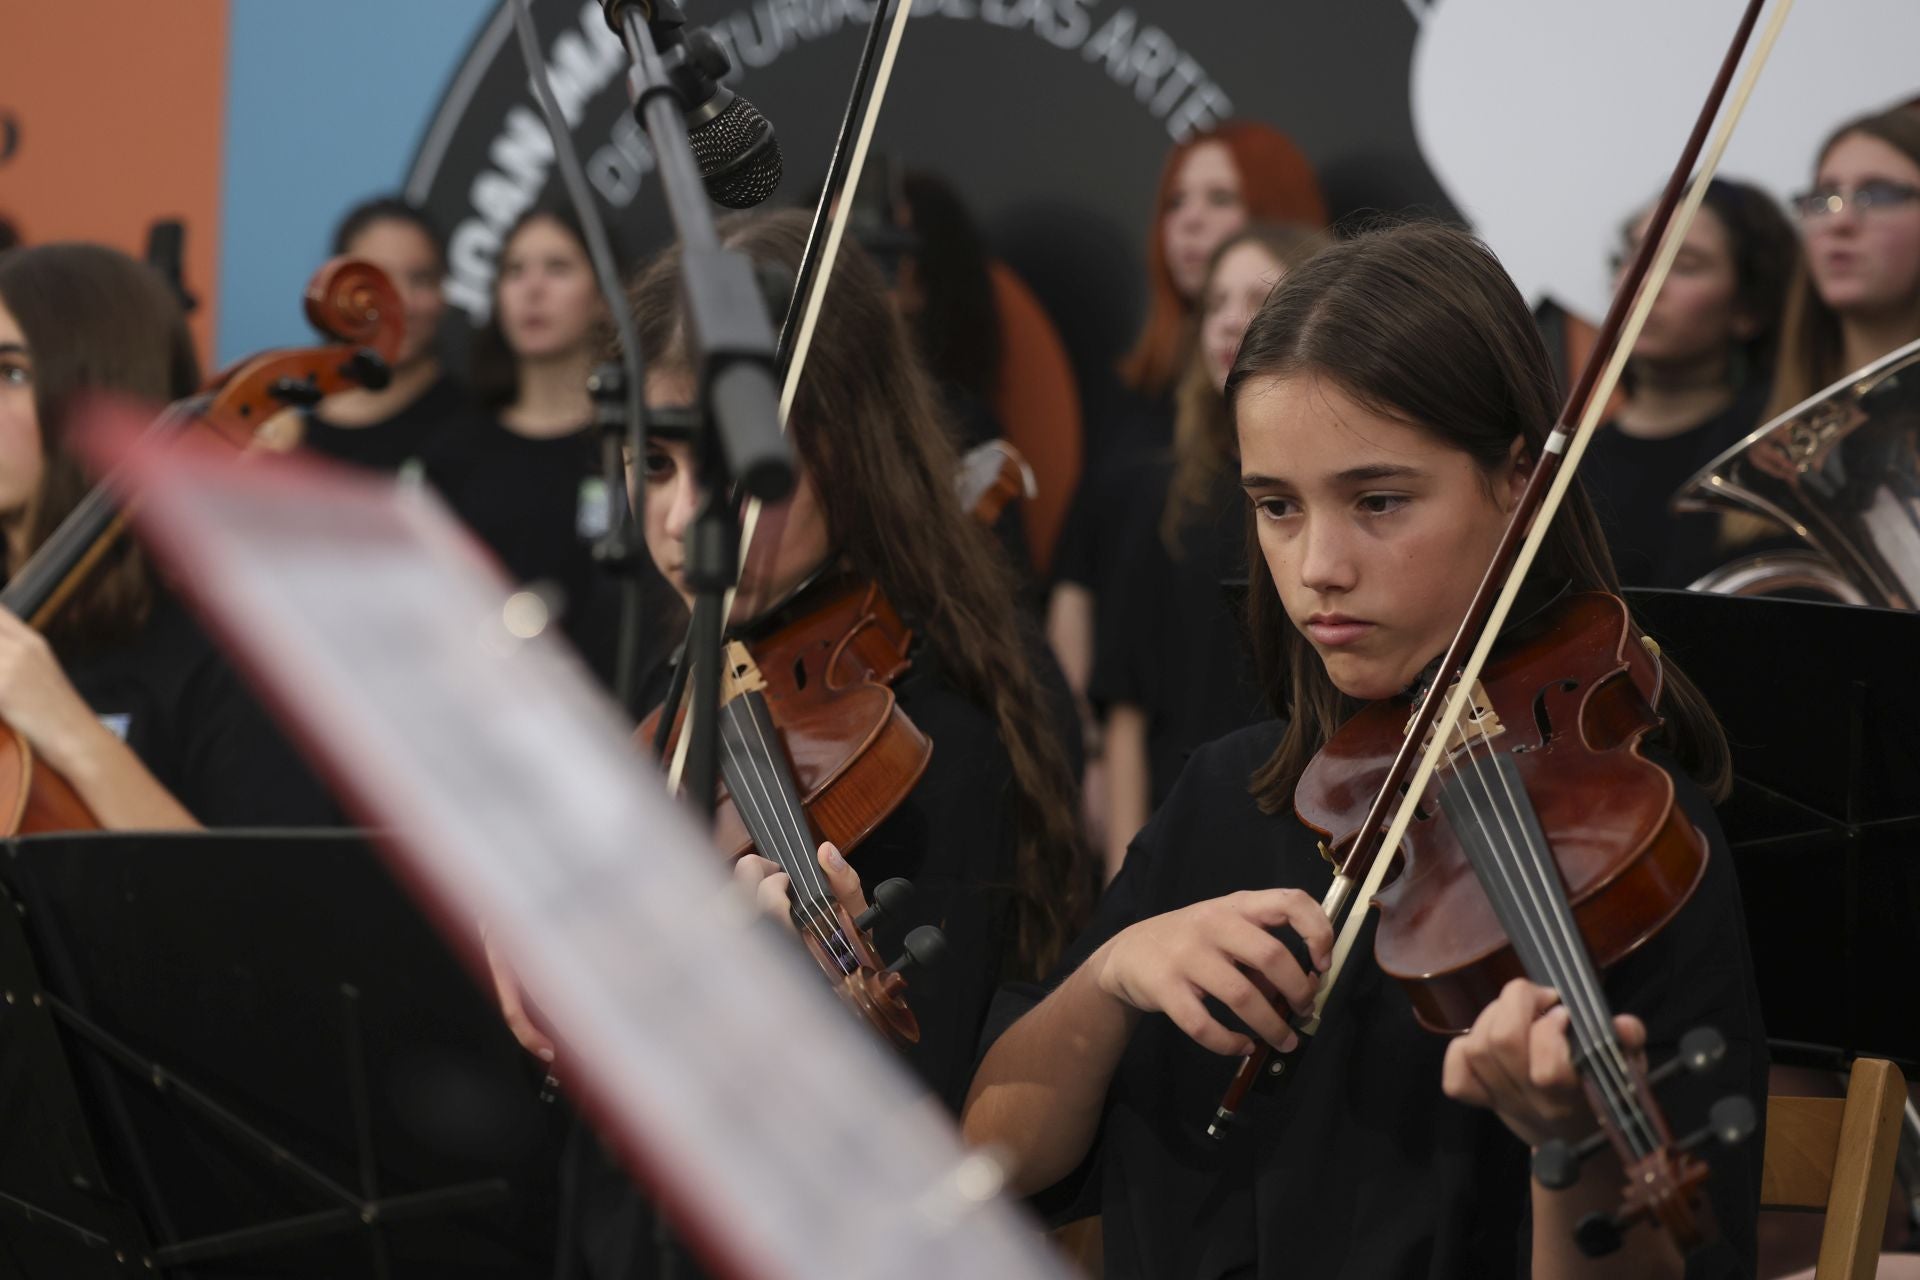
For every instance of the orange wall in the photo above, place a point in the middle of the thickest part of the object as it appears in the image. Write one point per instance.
(120, 106)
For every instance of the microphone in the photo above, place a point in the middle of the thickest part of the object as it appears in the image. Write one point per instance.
(732, 142)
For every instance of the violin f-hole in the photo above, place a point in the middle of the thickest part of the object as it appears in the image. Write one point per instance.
(1542, 718)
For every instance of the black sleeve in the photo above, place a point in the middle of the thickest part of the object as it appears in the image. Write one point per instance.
(1698, 972)
(953, 841)
(235, 769)
(1126, 902)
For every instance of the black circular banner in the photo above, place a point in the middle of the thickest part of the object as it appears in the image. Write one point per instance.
(1051, 116)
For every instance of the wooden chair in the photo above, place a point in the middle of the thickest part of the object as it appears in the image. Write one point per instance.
(1836, 1156)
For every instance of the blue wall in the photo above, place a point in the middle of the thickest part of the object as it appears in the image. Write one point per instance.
(326, 100)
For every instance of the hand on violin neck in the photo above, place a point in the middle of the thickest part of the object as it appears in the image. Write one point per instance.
(772, 889)
(1517, 1062)
(1223, 949)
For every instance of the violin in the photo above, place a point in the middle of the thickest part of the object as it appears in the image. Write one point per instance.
(813, 747)
(351, 302)
(1551, 848)
(1534, 836)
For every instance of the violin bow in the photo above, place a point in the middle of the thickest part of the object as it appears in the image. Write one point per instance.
(816, 263)
(761, 530)
(1552, 475)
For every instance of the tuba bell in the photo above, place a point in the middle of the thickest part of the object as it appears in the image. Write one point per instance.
(1841, 470)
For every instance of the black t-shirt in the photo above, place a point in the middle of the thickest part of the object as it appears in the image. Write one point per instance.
(408, 434)
(1170, 632)
(1632, 482)
(522, 496)
(1362, 1169)
(171, 697)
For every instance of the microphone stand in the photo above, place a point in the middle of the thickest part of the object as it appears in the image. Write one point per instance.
(739, 446)
(738, 443)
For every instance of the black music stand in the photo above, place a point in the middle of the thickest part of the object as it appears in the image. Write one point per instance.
(1821, 704)
(245, 1053)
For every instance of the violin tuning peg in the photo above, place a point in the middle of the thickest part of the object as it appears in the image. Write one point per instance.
(889, 896)
(1701, 1050)
(1598, 1235)
(925, 946)
(369, 369)
(1731, 1121)
(1556, 1164)
(298, 392)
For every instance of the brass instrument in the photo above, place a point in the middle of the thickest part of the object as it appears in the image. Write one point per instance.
(1842, 472)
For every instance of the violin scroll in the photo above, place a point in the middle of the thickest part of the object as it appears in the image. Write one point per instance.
(353, 301)
(350, 301)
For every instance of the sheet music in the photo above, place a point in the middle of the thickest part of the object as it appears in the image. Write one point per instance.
(765, 1113)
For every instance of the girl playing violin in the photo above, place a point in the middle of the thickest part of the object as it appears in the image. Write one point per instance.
(123, 696)
(1388, 400)
(987, 837)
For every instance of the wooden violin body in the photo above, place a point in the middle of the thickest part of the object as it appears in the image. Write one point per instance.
(828, 660)
(351, 302)
(814, 747)
(1567, 698)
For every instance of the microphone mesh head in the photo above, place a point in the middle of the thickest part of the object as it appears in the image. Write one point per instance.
(738, 155)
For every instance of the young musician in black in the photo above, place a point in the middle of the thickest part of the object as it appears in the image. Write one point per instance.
(1389, 401)
(122, 695)
(384, 430)
(988, 834)
(524, 471)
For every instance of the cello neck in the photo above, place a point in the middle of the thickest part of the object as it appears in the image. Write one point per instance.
(60, 565)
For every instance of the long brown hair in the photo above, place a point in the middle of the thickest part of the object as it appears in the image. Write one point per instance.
(1277, 184)
(1811, 350)
(866, 423)
(1203, 444)
(1421, 324)
(94, 320)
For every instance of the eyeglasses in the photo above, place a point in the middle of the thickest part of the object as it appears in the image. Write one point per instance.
(1865, 198)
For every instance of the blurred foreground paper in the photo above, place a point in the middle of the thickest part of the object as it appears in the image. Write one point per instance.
(784, 1139)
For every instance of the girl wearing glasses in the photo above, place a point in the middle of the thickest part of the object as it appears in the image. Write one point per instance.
(1857, 296)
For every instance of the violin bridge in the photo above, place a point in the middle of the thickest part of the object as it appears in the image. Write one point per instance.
(1478, 722)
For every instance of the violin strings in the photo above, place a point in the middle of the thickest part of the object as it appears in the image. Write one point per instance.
(798, 830)
(1558, 949)
(747, 793)
(1585, 983)
(1549, 952)
(814, 895)
(1573, 980)
(753, 793)
(1548, 958)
